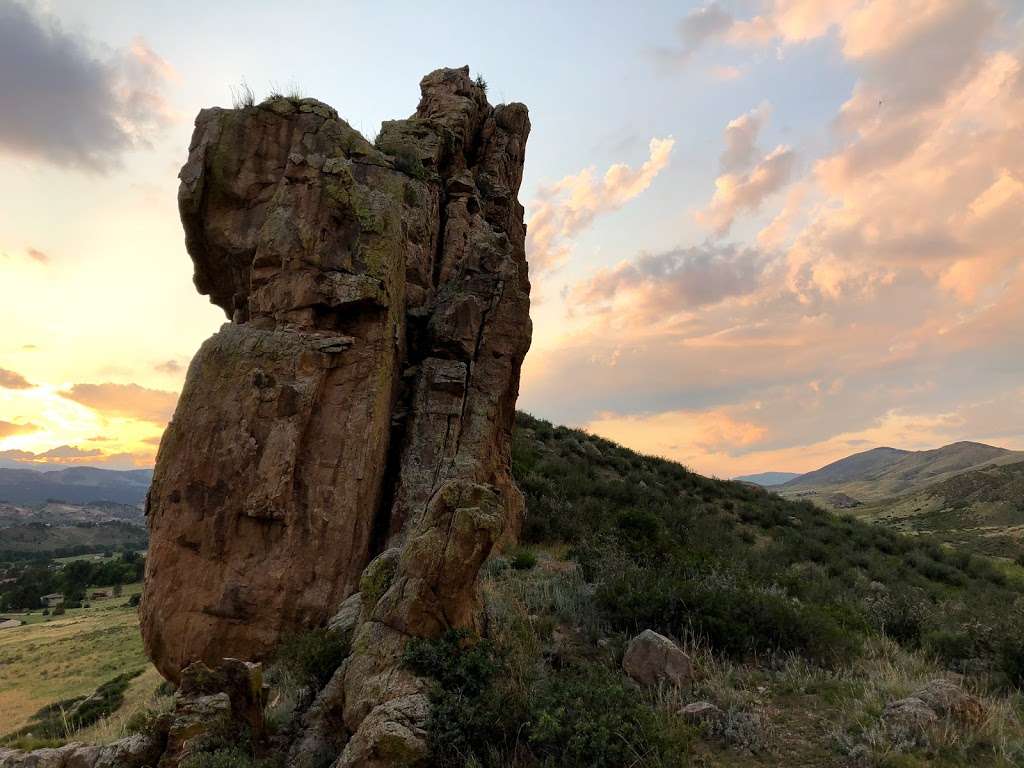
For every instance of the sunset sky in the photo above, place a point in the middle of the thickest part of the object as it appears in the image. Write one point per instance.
(762, 234)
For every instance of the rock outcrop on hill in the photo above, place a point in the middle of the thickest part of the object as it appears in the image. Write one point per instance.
(361, 399)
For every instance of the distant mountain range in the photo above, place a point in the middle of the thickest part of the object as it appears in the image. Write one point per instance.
(768, 479)
(966, 493)
(75, 485)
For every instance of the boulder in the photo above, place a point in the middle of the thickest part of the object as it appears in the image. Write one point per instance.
(378, 301)
(700, 712)
(651, 658)
(948, 699)
(910, 714)
(347, 617)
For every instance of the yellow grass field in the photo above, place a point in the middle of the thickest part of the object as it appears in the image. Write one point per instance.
(55, 658)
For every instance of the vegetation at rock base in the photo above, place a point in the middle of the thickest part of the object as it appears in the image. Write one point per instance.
(582, 717)
(311, 657)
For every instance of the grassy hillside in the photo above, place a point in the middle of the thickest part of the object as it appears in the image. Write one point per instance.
(803, 627)
(746, 569)
(980, 510)
(50, 659)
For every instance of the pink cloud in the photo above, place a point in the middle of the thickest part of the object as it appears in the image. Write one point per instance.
(566, 208)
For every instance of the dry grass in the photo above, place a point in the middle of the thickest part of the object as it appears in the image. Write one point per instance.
(885, 673)
(64, 657)
(143, 694)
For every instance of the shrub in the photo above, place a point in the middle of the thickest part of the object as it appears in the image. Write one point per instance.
(952, 646)
(408, 163)
(59, 610)
(587, 718)
(1011, 660)
(312, 657)
(523, 559)
(578, 716)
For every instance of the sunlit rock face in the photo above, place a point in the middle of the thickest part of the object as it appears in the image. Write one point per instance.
(379, 305)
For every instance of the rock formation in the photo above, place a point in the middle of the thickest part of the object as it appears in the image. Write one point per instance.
(359, 404)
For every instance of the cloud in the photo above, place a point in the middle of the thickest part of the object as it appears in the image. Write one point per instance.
(727, 73)
(68, 452)
(700, 27)
(8, 428)
(36, 255)
(13, 380)
(73, 455)
(169, 367)
(741, 139)
(777, 231)
(563, 210)
(125, 400)
(683, 435)
(739, 192)
(669, 282)
(884, 300)
(66, 102)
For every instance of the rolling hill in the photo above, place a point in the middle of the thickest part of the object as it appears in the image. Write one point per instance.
(965, 493)
(888, 472)
(768, 479)
(75, 485)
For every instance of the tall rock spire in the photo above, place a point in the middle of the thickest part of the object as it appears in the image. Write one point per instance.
(365, 387)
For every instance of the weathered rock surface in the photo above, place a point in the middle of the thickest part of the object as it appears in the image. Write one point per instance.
(132, 752)
(651, 658)
(361, 400)
(700, 712)
(939, 698)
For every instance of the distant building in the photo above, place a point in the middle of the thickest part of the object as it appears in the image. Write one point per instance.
(51, 600)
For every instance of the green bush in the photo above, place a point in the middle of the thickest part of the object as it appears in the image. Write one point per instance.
(313, 656)
(1011, 660)
(588, 718)
(523, 559)
(408, 163)
(578, 716)
(735, 617)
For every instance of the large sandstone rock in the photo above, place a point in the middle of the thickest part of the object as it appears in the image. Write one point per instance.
(362, 395)
(651, 658)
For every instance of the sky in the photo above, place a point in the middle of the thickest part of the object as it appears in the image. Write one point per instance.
(762, 234)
